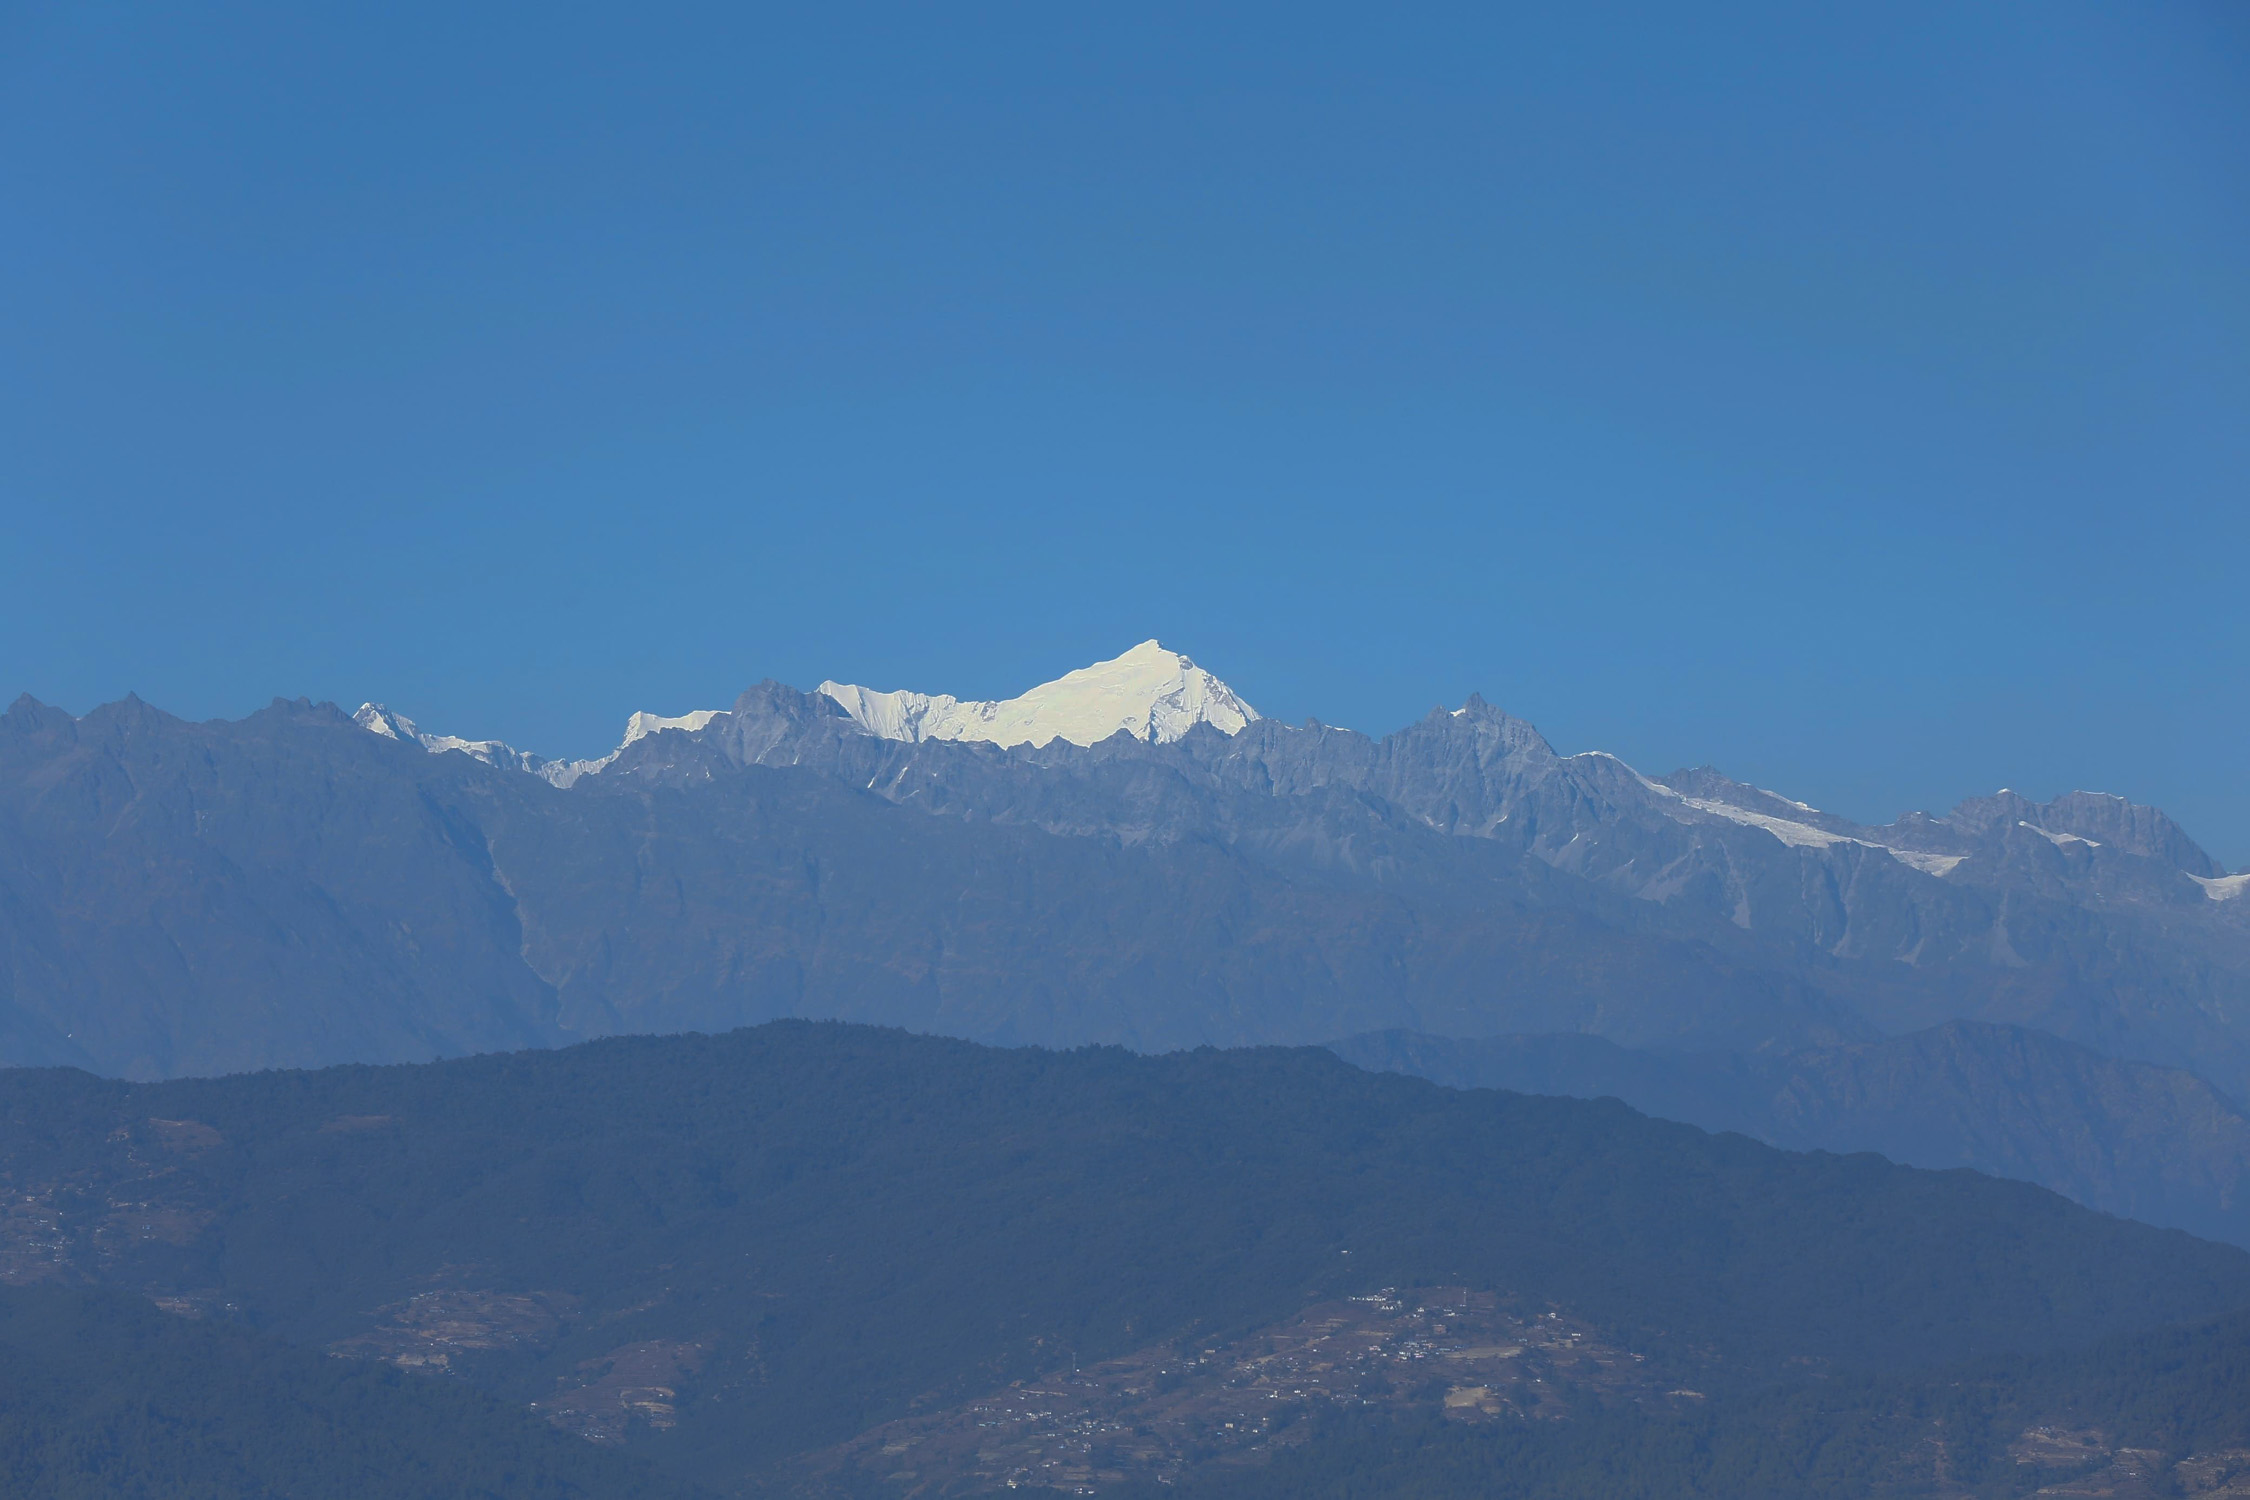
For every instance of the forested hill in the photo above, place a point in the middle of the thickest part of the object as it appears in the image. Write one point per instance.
(2133, 1418)
(2150, 1143)
(801, 1230)
(102, 1396)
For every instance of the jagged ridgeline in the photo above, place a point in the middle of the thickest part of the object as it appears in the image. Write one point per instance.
(1129, 854)
(736, 1254)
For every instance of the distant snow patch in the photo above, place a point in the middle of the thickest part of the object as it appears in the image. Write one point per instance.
(2059, 840)
(376, 719)
(2223, 887)
(1800, 835)
(1796, 835)
(1928, 864)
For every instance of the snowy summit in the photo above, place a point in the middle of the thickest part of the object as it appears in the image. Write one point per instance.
(1149, 693)
(376, 719)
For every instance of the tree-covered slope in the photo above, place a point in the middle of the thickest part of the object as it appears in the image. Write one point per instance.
(103, 1397)
(2151, 1143)
(807, 1228)
(2133, 1418)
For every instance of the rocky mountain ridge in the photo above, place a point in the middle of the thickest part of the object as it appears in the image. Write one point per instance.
(1155, 696)
(1147, 692)
(1977, 886)
(294, 888)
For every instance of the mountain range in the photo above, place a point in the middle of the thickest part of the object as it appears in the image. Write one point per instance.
(1130, 855)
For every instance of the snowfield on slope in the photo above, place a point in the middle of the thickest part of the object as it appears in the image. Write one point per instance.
(1149, 693)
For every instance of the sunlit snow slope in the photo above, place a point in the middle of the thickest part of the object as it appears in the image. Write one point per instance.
(1149, 692)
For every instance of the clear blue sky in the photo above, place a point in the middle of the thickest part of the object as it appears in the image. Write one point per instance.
(1854, 397)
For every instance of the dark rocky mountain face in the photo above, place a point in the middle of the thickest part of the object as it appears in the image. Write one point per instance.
(291, 889)
(181, 898)
(2087, 916)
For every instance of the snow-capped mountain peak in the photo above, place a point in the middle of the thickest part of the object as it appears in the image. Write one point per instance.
(642, 725)
(639, 727)
(376, 719)
(1149, 692)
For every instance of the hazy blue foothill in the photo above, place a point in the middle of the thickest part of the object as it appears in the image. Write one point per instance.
(832, 1226)
(103, 1395)
(2150, 1143)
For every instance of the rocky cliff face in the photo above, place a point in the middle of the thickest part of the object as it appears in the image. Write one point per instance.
(179, 898)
